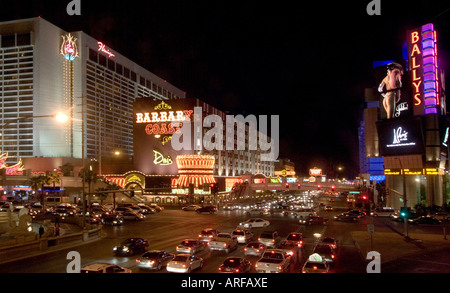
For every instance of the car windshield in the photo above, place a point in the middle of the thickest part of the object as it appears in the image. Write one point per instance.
(323, 249)
(315, 265)
(239, 232)
(181, 258)
(231, 262)
(253, 245)
(266, 235)
(209, 232)
(150, 255)
(328, 240)
(188, 242)
(294, 237)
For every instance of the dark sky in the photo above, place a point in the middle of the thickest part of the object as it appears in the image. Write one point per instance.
(307, 63)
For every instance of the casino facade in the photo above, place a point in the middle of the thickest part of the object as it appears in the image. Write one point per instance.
(404, 130)
(46, 70)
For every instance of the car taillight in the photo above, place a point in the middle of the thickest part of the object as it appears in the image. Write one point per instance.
(332, 256)
(138, 260)
(199, 235)
(256, 265)
(237, 270)
(224, 245)
(184, 265)
(257, 250)
(280, 268)
(314, 267)
(245, 249)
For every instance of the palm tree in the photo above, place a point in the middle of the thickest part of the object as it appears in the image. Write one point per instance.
(53, 178)
(37, 183)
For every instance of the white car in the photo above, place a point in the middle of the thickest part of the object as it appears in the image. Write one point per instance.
(243, 235)
(104, 268)
(184, 263)
(191, 246)
(254, 223)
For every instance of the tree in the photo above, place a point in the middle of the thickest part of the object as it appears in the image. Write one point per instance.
(53, 178)
(37, 183)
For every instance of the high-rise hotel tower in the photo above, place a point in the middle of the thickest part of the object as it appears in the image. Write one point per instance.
(45, 70)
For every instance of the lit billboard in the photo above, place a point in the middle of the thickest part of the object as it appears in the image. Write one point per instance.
(154, 124)
(401, 137)
(394, 89)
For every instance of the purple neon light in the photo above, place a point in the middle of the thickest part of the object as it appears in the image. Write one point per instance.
(429, 69)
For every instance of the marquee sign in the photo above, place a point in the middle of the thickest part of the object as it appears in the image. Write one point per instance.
(315, 172)
(423, 64)
(419, 171)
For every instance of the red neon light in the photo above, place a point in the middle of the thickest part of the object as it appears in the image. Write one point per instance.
(102, 48)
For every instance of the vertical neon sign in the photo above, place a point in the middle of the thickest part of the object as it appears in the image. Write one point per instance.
(430, 83)
(422, 49)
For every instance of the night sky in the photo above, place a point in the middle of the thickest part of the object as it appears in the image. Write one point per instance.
(308, 63)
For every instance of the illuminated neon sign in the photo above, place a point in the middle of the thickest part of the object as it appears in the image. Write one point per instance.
(422, 52)
(102, 48)
(160, 159)
(69, 47)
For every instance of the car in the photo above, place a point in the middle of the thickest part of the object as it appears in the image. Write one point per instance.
(292, 250)
(256, 212)
(254, 223)
(131, 246)
(315, 264)
(243, 235)
(206, 209)
(191, 207)
(270, 238)
(330, 241)
(314, 220)
(208, 234)
(254, 248)
(191, 246)
(104, 268)
(184, 263)
(156, 207)
(112, 220)
(425, 220)
(358, 213)
(441, 216)
(235, 264)
(146, 209)
(326, 252)
(295, 238)
(302, 212)
(273, 261)
(346, 217)
(154, 260)
(121, 210)
(383, 212)
(397, 217)
(131, 215)
(328, 208)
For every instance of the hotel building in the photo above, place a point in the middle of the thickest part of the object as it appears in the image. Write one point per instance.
(45, 70)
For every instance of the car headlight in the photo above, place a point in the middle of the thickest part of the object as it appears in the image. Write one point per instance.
(125, 248)
(115, 248)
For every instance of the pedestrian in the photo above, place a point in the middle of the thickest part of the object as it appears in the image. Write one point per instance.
(41, 231)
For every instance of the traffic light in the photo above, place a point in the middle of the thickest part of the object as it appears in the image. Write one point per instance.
(364, 197)
(214, 188)
(405, 212)
(333, 187)
(299, 186)
(319, 186)
(287, 185)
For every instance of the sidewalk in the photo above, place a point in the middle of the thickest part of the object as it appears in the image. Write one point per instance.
(392, 245)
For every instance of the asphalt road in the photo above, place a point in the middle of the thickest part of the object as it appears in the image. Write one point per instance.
(168, 228)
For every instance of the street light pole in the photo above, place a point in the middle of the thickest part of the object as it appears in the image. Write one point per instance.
(405, 220)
